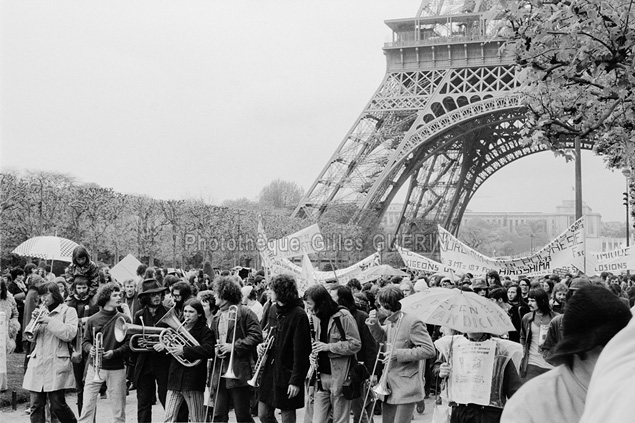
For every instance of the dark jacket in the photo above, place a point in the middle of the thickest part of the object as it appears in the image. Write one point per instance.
(516, 313)
(88, 270)
(525, 338)
(288, 360)
(182, 378)
(368, 353)
(248, 336)
(104, 323)
(157, 363)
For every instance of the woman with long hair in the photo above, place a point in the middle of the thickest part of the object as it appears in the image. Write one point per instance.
(517, 310)
(188, 383)
(49, 372)
(533, 332)
(336, 340)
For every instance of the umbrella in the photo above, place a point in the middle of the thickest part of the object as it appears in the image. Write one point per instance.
(459, 310)
(47, 247)
(382, 270)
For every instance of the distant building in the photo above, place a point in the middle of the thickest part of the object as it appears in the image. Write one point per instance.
(554, 223)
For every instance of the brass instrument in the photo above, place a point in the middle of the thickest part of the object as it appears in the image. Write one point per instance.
(232, 317)
(382, 387)
(98, 343)
(262, 358)
(176, 335)
(143, 338)
(313, 359)
(34, 324)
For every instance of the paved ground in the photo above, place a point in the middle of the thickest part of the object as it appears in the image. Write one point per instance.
(104, 415)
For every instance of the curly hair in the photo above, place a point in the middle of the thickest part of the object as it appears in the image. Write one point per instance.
(285, 288)
(105, 291)
(228, 290)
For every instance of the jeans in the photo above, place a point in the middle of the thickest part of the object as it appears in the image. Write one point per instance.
(240, 397)
(58, 407)
(397, 413)
(116, 382)
(146, 388)
(325, 402)
(266, 414)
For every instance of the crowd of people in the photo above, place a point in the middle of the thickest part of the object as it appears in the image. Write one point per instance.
(204, 345)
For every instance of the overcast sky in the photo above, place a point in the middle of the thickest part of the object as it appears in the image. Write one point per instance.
(215, 99)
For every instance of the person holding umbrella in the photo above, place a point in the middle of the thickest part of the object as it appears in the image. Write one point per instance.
(481, 370)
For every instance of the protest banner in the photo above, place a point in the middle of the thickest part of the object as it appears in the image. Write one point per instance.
(416, 261)
(125, 269)
(615, 261)
(308, 240)
(472, 372)
(281, 265)
(564, 254)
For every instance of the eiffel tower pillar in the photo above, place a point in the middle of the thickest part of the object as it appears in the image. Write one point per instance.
(447, 115)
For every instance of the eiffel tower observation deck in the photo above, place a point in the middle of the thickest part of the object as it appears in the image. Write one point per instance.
(445, 118)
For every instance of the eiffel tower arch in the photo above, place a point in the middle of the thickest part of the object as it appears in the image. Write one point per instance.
(446, 117)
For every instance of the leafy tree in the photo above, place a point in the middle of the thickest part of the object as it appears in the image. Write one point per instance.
(576, 60)
(281, 194)
(242, 203)
(613, 229)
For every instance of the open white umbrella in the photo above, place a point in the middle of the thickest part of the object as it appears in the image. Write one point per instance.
(459, 310)
(47, 247)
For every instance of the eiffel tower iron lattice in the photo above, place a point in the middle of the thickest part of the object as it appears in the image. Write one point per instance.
(445, 118)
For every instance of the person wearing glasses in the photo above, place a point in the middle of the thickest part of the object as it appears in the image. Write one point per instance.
(524, 288)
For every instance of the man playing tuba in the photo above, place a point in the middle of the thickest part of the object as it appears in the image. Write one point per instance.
(151, 368)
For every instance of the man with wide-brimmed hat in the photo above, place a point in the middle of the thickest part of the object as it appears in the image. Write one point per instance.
(592, 318)
(150, 367)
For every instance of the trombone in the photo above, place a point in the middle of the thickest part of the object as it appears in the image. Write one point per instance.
(232, 316)
(382, 386)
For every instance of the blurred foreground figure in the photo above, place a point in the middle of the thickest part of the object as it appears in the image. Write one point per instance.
(591, 320)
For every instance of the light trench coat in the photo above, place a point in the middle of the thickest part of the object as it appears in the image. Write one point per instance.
(50, 367)
(411, 345)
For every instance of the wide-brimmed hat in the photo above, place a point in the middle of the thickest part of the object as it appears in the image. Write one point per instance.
(150, 286)
(593, 316)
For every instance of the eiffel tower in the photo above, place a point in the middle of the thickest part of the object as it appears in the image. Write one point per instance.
(445, 118)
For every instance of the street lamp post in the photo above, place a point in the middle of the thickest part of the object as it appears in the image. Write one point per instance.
(627, 174)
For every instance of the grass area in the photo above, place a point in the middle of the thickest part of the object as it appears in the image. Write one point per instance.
(15, 374)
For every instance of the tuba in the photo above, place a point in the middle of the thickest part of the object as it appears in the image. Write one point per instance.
(98, 339)
(33, 326)
(143, 338)
(176, 335)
